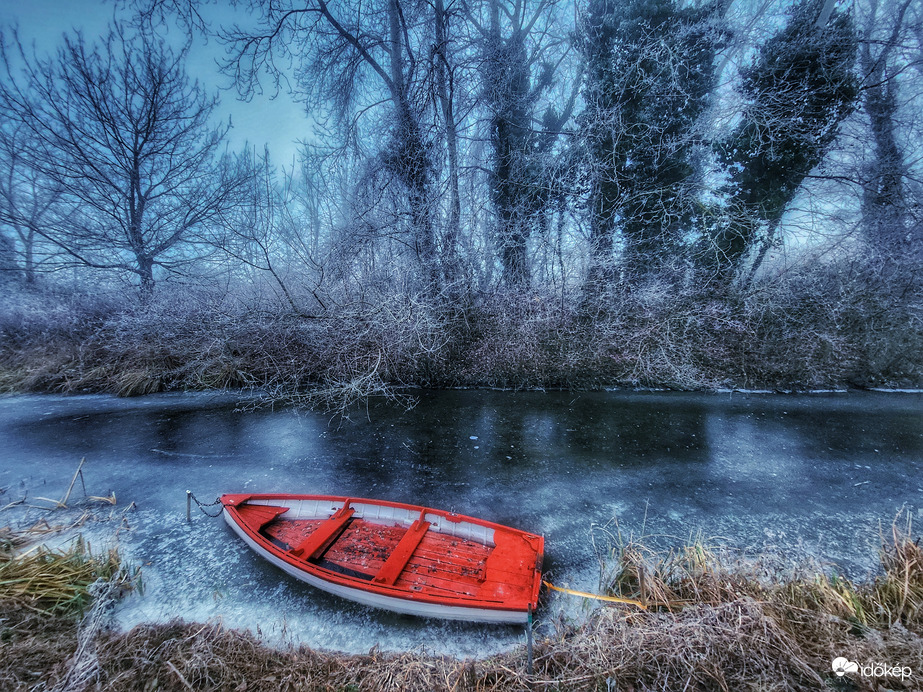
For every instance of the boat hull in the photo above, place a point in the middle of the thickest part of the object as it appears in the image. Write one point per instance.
(402, 558)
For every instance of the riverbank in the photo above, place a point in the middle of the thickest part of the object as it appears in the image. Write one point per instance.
(783, 337)
(709, 625)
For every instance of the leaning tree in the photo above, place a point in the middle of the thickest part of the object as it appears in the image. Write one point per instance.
(365, 66)
(798, 90)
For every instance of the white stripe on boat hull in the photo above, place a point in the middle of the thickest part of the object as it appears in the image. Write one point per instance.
(397, 605)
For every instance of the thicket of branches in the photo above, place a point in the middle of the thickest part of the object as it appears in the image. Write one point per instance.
(514, 192)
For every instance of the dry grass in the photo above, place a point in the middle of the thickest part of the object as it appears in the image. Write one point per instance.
(694, 574)
(34, 646)
(816, 330)
(738, 645)
(733, 646)
(43, 592)
(53, 581)
(712, 625)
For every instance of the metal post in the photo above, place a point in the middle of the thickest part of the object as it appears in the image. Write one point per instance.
(188, 505)
(529, 641)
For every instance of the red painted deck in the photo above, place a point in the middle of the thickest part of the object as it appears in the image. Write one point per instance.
(415, 560)
(438, 563)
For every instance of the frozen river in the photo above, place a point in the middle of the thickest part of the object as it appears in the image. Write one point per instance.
(808, 474)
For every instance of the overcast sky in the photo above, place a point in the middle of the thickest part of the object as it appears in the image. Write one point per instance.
(278, 123)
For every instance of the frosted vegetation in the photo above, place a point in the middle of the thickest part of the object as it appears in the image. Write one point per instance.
(515, 193)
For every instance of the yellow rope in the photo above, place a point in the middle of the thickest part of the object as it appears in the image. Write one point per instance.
(584, 594)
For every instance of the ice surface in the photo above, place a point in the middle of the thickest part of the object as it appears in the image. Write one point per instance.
(803, 475)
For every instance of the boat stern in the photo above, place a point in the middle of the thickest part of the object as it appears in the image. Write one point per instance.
(537, 577)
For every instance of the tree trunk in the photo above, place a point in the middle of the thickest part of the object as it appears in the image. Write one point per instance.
(411, 158)
(445, 93)
(761, 253)
(508, 86)
(601, 272)
(29, 264)
(145, 271)
(884, 204)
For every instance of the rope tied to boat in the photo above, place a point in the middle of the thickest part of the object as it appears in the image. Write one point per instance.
(594, 596)
(203, 505)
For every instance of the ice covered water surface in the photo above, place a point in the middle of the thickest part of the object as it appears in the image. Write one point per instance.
(807, 475)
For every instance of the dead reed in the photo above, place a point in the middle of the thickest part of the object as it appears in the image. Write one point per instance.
(694, 574)
(42, 594)
(10, 541)
(806, 332)
(712, 624)
(51, 581)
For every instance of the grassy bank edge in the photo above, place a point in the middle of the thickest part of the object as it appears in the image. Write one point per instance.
(709, 625)
(782, 338)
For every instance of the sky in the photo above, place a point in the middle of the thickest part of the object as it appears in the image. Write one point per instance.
(278, 123)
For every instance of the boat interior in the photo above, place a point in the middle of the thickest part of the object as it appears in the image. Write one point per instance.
(424, 550)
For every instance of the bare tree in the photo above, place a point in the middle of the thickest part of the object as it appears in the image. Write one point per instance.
(28, 204)
(263, 234)
(128, 140)
(444, 82)
(349, 59)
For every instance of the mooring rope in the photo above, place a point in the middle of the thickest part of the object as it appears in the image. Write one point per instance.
(203, 505)
(594, 596)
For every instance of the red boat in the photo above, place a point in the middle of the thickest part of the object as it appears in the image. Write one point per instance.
(400, 557)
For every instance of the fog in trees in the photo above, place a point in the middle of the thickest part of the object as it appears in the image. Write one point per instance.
(507, 192)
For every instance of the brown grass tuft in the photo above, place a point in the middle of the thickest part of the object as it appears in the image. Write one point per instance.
(52, 581)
